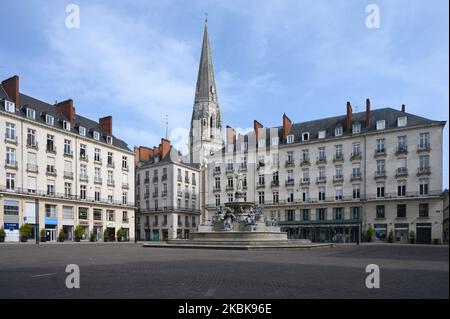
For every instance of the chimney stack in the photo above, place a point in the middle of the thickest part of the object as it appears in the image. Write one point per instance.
(164, 147)
(287, 125)
(142, 154)
(11, 87)
(67, 109)
(403, 108)
(257, 127)
(231, 135)
(106, 124)
(349, 117)
(368, 113)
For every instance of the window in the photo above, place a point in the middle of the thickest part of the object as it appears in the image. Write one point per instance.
(51, 165)
(402, 121)
(304, 213)
(67, 189)
(423, 210)
(402, 143)
(275, 141)
(356, 170)
(31, 138)
(230, 197)
(9, 106)
(338, 131)
(401, 211)
(96, 135)
(356, 194)
(338, 151)
(82, 191)
(82, 130)
(66, 125)
(124, 162)
(322, 153)
(338, 213)
(338, 193)
(83, 171)
(31, 185)
(290, 215)
(49, 120)
(97, 194)
(380, 211)
(424, 162)
(305, 136)
(381, 124)
(355, 212)
(290, 157)
(67, 147)
(321, 214)
(380, 190)
(261, 179)
(401, 189)
(275, 197)
(305, 155)
(424, 141)
(322, 175)
(217, 198)
(10, 133)
(109, 140)
(322, 134)
(97, 156)
(217, 183)
(10, 182)
(356, 128)
(290, 139)
(50, 211)
(11, 156)
(290, 196)
(97, 174)
(339, 172)
(110, 215)
(51, 188)
(423, 187)
(380, 145)
(230, 182)
(305, 175)
(261, 197)
(124, 198)
(67, 212)
(51, 143)
(321, 193)
(290, 176)
(356, 149)
(381, 167)
(31, 114)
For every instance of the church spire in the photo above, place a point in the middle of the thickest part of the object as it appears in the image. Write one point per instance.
(206, 85)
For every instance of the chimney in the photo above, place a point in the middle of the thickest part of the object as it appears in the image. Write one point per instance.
(257, 126)
(231, 135)
(287, 125)
(11, 87)
(403, 108)
(367, 112)
(349, 117)
(164, 147)
(106, 124)
(67, 109)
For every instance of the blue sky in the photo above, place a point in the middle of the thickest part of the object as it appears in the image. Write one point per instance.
(138, 60)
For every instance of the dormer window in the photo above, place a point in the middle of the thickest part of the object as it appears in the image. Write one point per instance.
(275, 140)
(31, 114)
(9, 106)
(356, 128)
(49, 120)
(290, 139)
(96, 135)
(82, 130)
(381, 124)
(66, 125)
(322, 134)
(402, 121)
(305, 137)
(338, 131)
(156, 158)
(109, 139)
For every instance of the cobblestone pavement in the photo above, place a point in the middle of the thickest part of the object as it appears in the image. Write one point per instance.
(121, 270)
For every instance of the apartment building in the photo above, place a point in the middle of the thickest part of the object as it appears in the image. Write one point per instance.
(167, 193)
(331, 179)
(61, 170)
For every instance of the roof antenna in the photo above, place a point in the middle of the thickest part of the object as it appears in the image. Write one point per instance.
(167, 126)
(206, 17)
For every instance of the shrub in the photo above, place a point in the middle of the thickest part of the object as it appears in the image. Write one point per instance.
(370, 233)
(43, 235)
(391, 236)
(412, 237)
(120, 234)
(62, 235)
(25, 232)
(2, 235)
(78, 233)
(93, 236)
(106, 235)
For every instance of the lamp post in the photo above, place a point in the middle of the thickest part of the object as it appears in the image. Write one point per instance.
(38, 233)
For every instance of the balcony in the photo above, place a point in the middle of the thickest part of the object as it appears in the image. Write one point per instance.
(261, 184)
(290, 163)
(229, 188)
(187, 225)
(98, 180)
(164, 193)
(194, 196)
(423, 171)
(179, 193)
(155, 224)
(180, 224)
(338, 179)
(186, 180)
(11, 139)
(51, 171)
(321, 179)
(290, 182)
(164, 224)
(355, 177)
(338, 158)
(305, 162)
(32, 168)
(243, 168)
(125, 168)
(216, 171)
(68, 175)
(50, 149)
(401, 150)
(110, 182)
(111, 164)
(380, 152)
(194, 225)
(84, 178)
(155, 195)
(275, 183)
(321, 160)
(125, 185)
(146, 195)
(380, 174)
(216, 189)
(68, 153)
(401, 172)
(230, 169)
(84, 158)
(147, 180)
(305, 181)
(11, 164)
(155, 179)
(187, 195)
(179, 178)
(356, 156)
(32, 144)
(194, 182)
(424, 147)
(97, 161)
(164, 177)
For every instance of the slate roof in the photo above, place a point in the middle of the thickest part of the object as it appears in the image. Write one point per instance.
(174, 156)
(43, 108)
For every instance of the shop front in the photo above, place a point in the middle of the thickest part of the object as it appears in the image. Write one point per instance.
(401, 233)
(30, 218)
(11, 220)
(380, 232)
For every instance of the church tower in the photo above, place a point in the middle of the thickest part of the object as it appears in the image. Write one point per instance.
(206, 123)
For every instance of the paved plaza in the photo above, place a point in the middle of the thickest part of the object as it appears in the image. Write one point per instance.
(127, 270)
